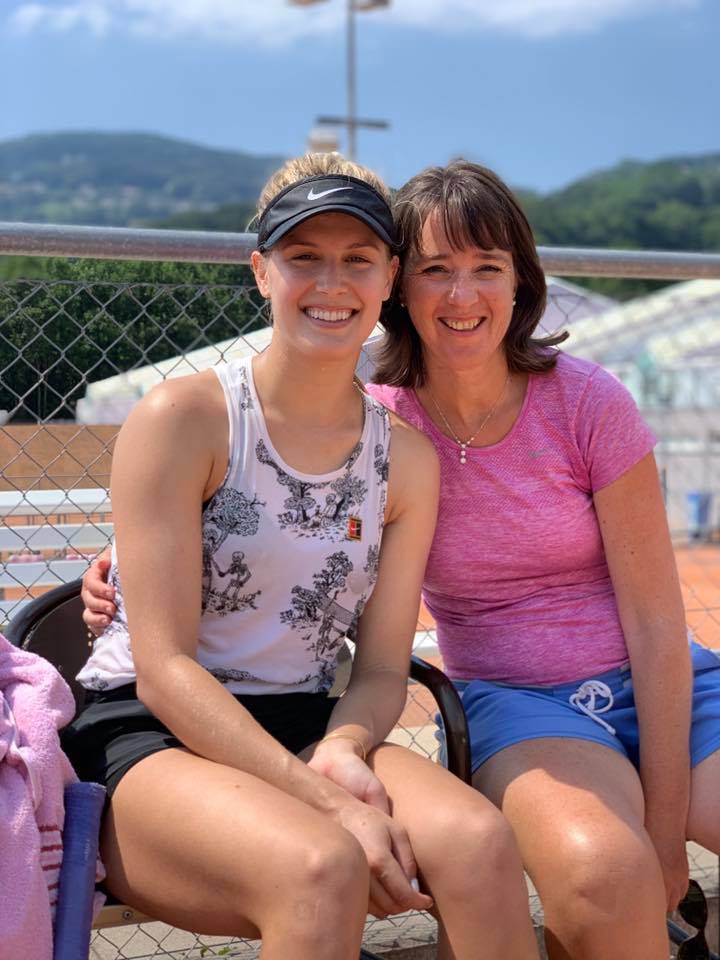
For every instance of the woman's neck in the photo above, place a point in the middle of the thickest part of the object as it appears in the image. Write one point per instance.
(306, 392)
(465, 396)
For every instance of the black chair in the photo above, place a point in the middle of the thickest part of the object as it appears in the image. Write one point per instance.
(51, 625)
(694, 911)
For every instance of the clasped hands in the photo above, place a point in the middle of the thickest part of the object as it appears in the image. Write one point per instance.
(366, 815)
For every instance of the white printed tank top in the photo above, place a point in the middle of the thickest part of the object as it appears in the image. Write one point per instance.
(289, 560)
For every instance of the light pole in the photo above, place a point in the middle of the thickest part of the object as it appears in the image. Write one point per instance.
(351, 121)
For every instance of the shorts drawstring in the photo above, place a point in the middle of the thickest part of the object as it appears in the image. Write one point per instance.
(590, 691)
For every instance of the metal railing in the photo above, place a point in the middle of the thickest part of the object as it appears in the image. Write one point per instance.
(198, 246)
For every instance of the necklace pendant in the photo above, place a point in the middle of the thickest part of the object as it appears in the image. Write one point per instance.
(463, 447)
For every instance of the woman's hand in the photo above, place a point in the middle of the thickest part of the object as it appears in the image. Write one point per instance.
(337, 760)
(393, 871)
(97, 595)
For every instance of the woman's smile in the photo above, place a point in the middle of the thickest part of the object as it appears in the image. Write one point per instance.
(462, 324)
(331, 315)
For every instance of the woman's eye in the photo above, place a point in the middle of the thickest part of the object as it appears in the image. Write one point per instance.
(356, 258)
(434, 268)
(489, 268)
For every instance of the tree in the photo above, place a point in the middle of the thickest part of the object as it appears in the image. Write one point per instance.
(88, 320)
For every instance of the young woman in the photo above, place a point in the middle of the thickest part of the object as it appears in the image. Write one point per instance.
(261, 509)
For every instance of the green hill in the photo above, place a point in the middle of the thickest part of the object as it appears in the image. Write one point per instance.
(131, 178)
(671, 204)
(119, 179)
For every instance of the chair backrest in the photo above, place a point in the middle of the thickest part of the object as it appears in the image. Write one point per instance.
(52, 626)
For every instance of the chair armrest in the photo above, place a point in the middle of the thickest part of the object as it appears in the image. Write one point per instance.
(452, 713)
(678, 935)
(29, 616)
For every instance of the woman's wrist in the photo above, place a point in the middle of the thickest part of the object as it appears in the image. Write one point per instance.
(354, 742)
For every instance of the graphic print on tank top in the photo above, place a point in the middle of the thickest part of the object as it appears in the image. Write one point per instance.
(229, 512)
(381, 463)
(306, 513)
(324, 620)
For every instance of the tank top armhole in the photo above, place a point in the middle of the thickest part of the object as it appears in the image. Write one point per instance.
(223, 372)
(376, 408)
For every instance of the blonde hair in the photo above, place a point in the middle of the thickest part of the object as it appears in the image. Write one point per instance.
(317, 165)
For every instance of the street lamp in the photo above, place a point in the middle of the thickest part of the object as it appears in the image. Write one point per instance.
(351, 121)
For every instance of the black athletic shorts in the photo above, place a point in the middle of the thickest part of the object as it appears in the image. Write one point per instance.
(115, 730)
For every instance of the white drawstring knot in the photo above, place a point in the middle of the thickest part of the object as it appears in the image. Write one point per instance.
(590, 691)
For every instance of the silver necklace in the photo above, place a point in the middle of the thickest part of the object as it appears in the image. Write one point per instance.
(464, 444)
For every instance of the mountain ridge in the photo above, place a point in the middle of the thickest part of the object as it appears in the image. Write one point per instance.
(121, 179)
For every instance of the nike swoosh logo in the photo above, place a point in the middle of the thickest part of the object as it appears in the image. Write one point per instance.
(324, 193)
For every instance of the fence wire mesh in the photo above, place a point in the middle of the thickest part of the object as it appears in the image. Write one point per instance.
(75, 356)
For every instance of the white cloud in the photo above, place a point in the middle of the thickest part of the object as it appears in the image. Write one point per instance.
(275, 22)
(94, 15)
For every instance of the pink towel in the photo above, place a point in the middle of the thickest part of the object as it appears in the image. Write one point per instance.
(35, 702)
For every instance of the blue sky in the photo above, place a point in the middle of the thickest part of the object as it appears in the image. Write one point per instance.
(544, 91)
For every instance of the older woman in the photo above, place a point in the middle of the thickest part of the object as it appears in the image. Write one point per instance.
(551, 577)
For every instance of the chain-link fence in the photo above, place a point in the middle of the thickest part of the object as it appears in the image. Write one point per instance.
(77, 353)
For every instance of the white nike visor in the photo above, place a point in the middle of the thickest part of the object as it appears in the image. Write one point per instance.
(325, 194)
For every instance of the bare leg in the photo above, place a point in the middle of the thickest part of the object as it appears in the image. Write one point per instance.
(577, 811)
(212, 849)
(467, 857)
(704, 817)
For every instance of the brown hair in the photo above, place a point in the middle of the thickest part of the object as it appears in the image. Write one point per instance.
(477, 210)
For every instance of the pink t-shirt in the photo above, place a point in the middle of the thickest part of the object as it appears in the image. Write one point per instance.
(517, 579)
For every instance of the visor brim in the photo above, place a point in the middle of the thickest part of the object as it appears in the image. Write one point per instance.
(359, 213)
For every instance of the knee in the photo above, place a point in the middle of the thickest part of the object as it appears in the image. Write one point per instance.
(475, 849)
(322, 881)
(334, 869)
(601, 876)
(704, 824)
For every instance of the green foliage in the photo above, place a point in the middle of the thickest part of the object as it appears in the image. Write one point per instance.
(229, 218)
(667, 205)
(92, 319)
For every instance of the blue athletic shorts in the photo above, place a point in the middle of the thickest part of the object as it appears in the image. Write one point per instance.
(600, 709)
